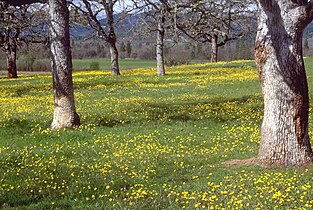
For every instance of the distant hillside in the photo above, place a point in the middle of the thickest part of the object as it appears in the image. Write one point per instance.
(80, 32)
(122, 28)
(308, 32)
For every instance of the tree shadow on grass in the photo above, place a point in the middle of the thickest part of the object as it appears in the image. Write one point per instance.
(16, 123)
(26, 90)
(108, 122)
(220, 109)
(217, 111)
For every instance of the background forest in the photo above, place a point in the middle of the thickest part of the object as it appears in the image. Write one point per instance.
(136, 39)
(36, 57)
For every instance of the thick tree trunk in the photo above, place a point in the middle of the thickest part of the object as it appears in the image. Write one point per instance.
(11, 62)
(278, 54)
(160, 47)
(64, 107)
(214, 48)
(114, 59)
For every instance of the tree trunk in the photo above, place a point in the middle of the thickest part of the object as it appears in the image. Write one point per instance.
(11, 61)
(278, 54)
(160, 46)
(64, 107)
(10, 43)
(111, 37)
(214, 48)
(114, 59)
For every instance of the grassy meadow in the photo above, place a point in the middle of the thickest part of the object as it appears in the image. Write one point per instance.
(105, 64)
(146, 142)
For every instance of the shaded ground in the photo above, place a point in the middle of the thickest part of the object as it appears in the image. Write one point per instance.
(2, 72)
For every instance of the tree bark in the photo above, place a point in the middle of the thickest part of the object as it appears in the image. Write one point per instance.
(214, 48)
(160, 46)
(114, 58)
(111, 38)
(64, 106)
(11, 62)
(10, 43)
(278, 54)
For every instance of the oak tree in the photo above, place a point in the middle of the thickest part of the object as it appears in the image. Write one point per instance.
(64, 105)
(19, 25)
(89, 12)
(278, 54)
(156, 19)
(215, 22)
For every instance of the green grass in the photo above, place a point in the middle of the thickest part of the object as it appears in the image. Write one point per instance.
(105, 64)
(146, 142)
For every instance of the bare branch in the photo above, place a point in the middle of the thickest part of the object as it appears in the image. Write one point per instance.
(23, 2)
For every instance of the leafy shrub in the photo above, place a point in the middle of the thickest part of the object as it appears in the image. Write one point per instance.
(174, 60)
(30, 63)
(94, 65)
(42, 65)
(147, 53)
(25, 63)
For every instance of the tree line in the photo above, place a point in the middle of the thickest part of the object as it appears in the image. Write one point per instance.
(215, 22)
(278, 55)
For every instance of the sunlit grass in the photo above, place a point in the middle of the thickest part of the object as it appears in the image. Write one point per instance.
(146, 142)
(105, 64)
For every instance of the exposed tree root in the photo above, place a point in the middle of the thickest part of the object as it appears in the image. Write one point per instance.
(244, 162)
(255, 161)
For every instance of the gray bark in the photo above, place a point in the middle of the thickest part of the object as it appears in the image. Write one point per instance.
(111, 37)
(160, 46)
(214, 48)
(64, 107)
(114, 59)
(278, 54)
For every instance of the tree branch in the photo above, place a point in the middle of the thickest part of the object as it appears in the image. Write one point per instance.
(23, 2)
